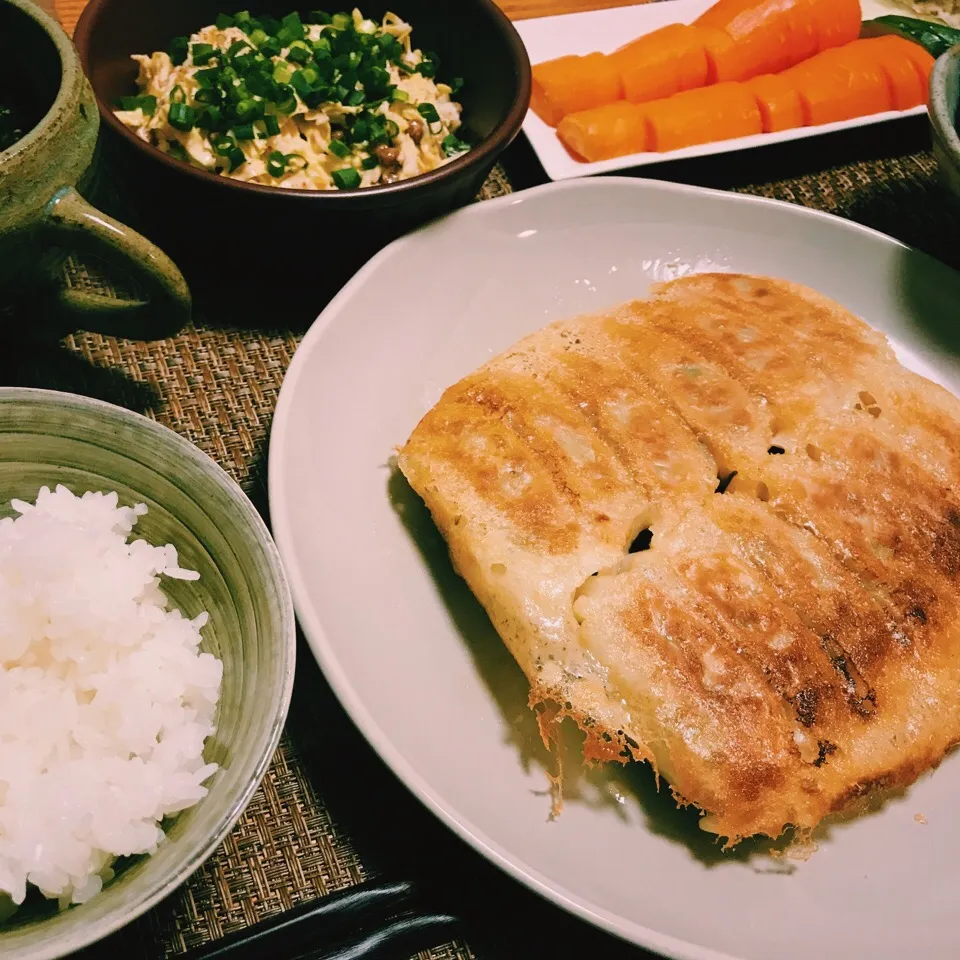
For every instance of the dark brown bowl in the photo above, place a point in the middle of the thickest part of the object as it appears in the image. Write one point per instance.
(474, 39)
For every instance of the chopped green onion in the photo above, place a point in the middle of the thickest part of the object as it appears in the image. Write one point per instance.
(452, 145)
(224, 20)
(303, 80)
(242, 17)
(282, 73)
(318, 16)
(202, 53)
(248, 110)
(299, 52)
(258, 37)
(276, 164)
(212, 95)
(245, 63)
(390, 46)
(271, 124)
(222, 145)
(207, 78)
(270, 24)
(427, 68)
(182, 117)
(429, 112)
(342, 21)
(237, 48)
(262, 85)
(321, 46)
(391, 130)
(368, 163)
(147, 103)
(401, 96)
(237, 158)
(271, 47)
(243, 131)
(346, 179)
(175, 149)
(211, 118)
(293, 23)
(339, 149)
(238, 91)
(355, 98)
(178, 49)
(286, 101)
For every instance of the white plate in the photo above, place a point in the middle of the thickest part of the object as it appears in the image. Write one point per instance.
(605, 30)
(416, 663)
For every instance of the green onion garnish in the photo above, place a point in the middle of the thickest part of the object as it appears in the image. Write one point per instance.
(346, 179)
(452, 145)
(248, 110)
(147, 103)
(401, 96)
(276, 164)
(208, 79)
(286, 101)
(282, 73)
(202, 53)
(175, 149)
(293, 23)
(368, 163)
(429, 112)
(237, 158)
(339, 149)
(243, 131)
(238, 48)
(210, 119)
(271, 124)
(317, 16)
(177, 95)
(271, 47)
(355, 98)
(222, 145)
(299, 52)
(182, 117)
(178, 49)
(258, 37)
(223, 21)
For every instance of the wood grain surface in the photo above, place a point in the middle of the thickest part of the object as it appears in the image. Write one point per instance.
(69, 10)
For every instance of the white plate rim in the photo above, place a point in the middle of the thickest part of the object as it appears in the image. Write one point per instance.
(559, 165)
(310, 620)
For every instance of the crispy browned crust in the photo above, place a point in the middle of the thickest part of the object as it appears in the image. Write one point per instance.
(782, 649)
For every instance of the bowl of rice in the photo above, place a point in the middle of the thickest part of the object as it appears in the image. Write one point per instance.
(147, 648)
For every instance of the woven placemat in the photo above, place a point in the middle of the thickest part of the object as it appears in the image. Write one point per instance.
(328, 815)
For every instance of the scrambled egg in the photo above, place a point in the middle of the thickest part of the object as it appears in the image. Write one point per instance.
(306, 133)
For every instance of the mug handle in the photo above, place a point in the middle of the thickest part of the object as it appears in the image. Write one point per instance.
(73, 223)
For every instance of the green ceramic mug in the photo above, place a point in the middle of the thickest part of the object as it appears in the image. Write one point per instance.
(43, 217)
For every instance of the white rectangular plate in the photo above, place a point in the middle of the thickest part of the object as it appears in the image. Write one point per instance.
(605, 30)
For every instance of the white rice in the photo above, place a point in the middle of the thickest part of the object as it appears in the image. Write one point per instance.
(105, 699)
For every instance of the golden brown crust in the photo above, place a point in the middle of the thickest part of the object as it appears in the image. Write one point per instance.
(780, 650)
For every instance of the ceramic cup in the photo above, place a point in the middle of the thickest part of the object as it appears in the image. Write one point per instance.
(43, 217)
